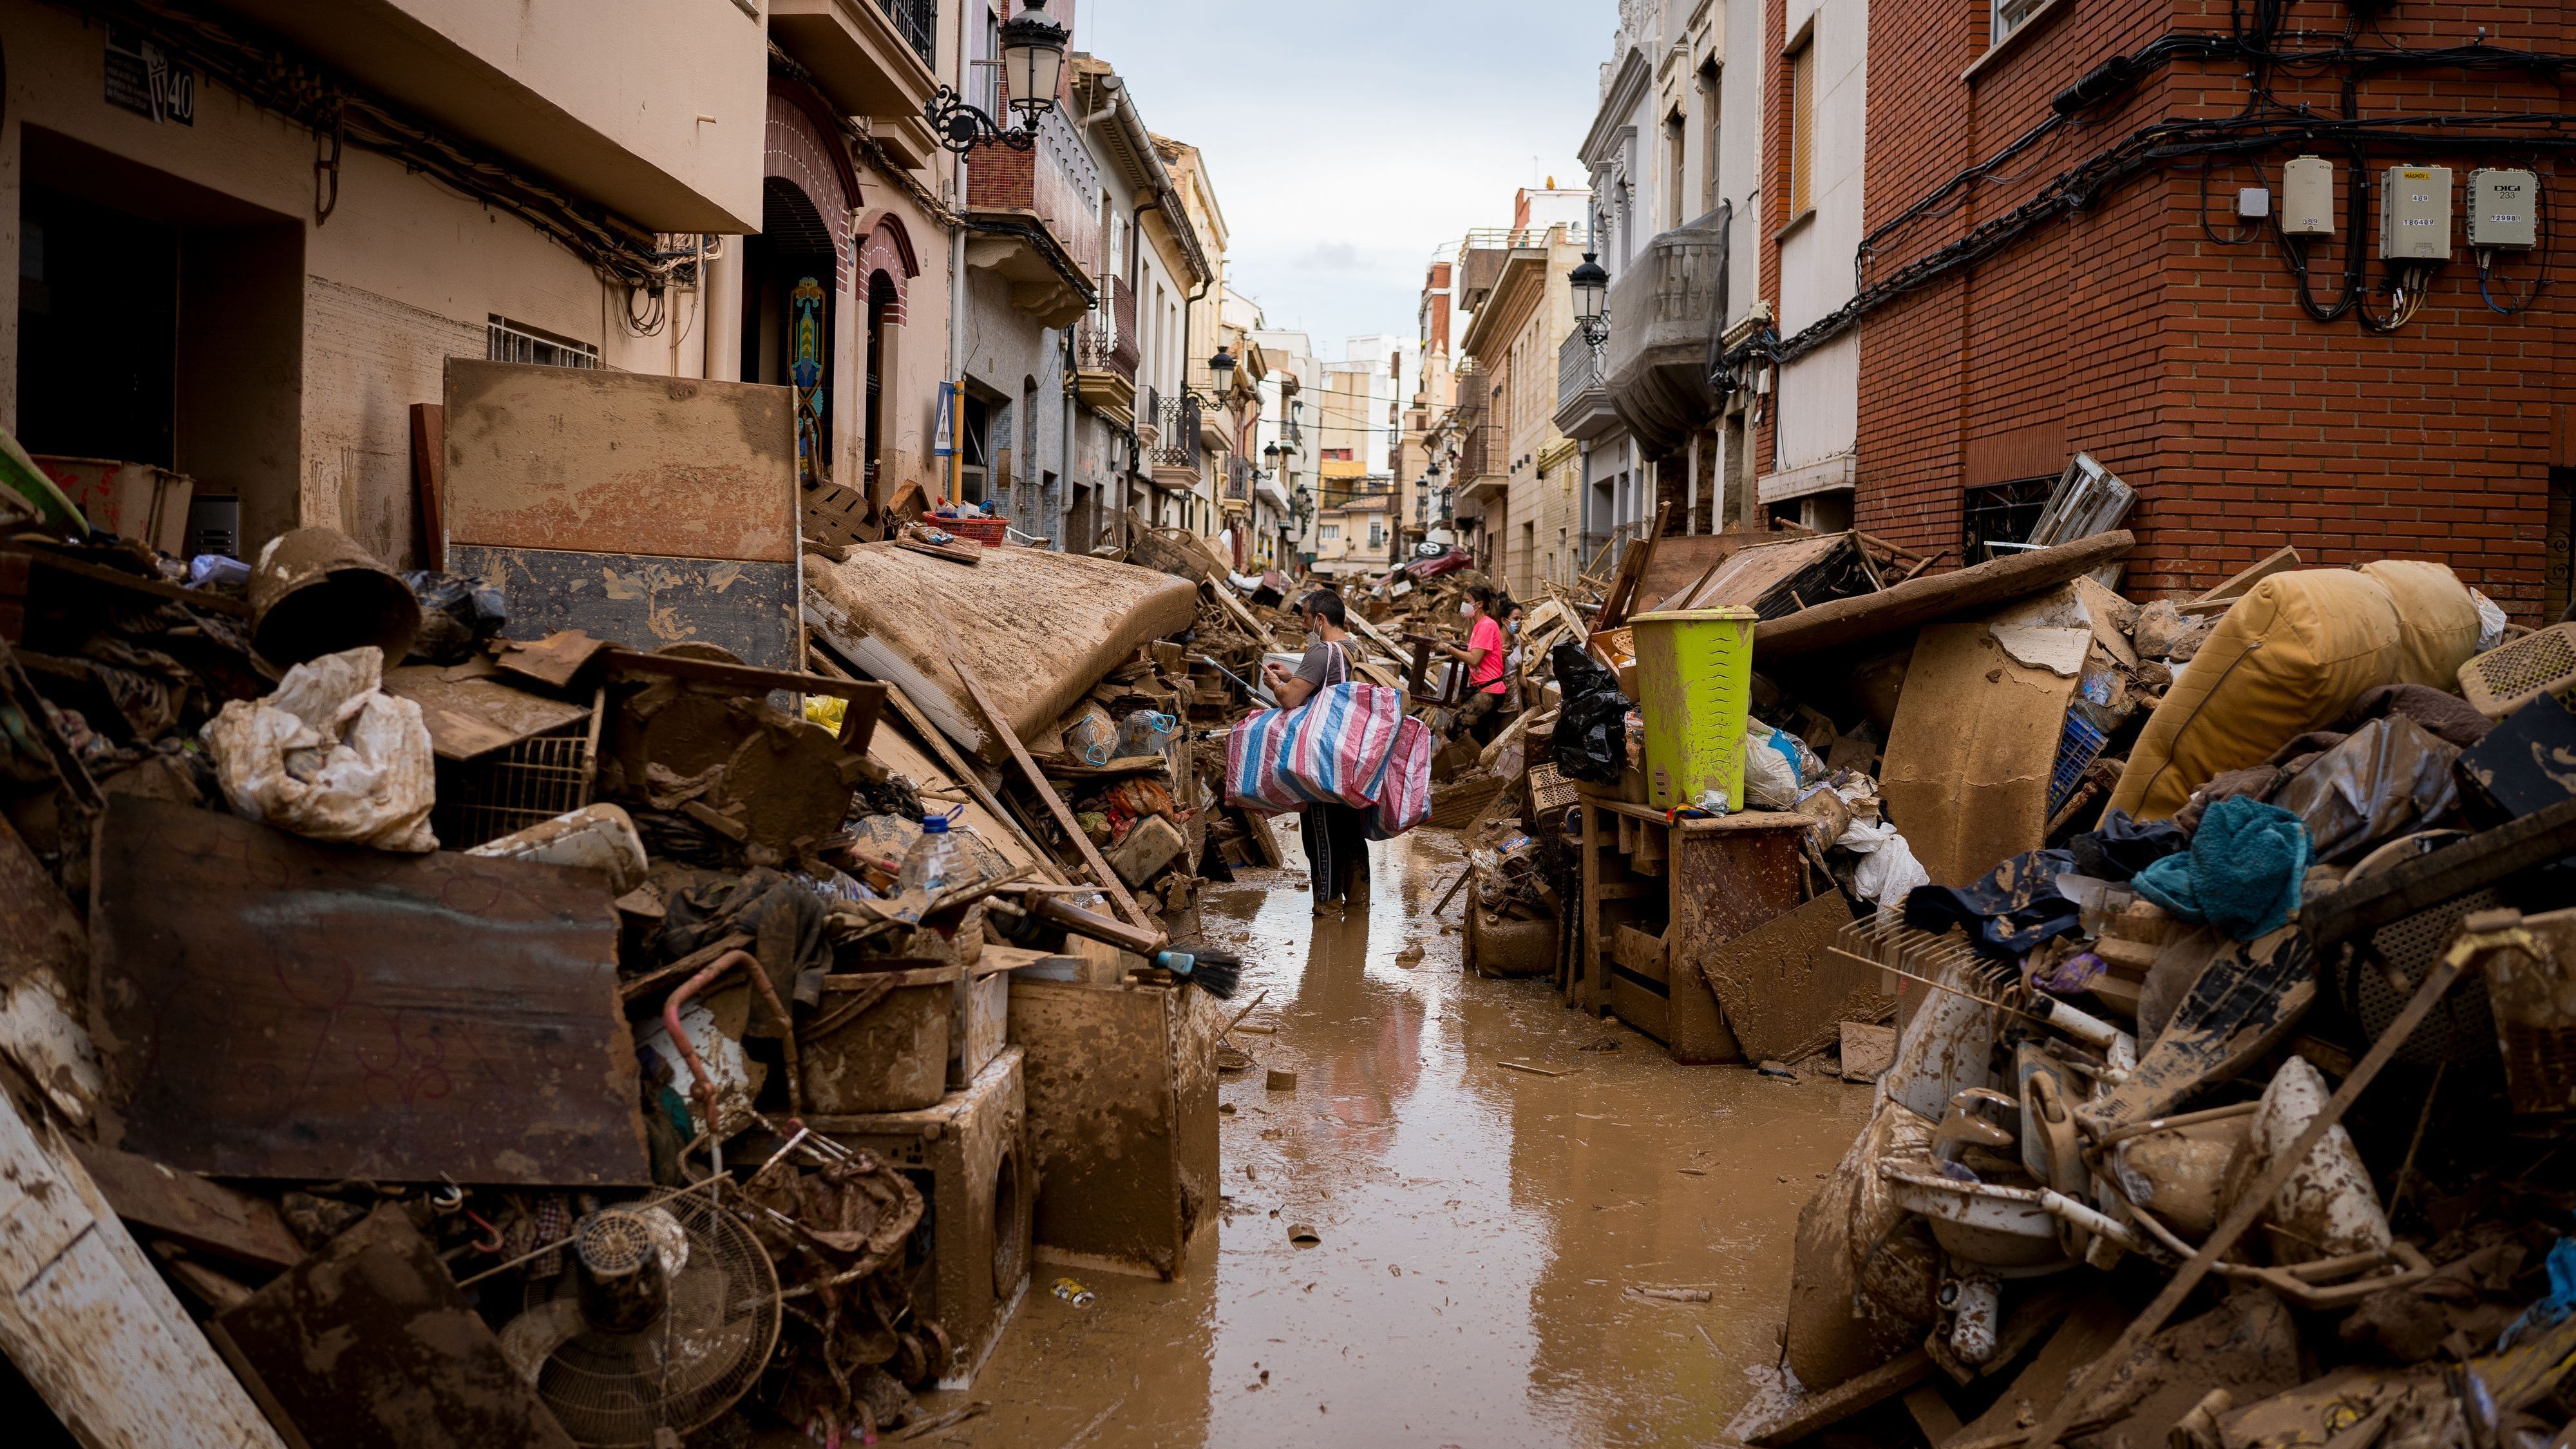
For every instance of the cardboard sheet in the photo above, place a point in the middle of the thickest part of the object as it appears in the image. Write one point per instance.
(1969, 755)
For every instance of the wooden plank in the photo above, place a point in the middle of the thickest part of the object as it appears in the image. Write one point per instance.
(959, 772)
(1822, 1411)
(553, 660)
(370, 1341)
(1064, 820)
(272, 1007)
(41, 555)
(44, 952)
(1781, 988)
(429, 482)
(187, 1208)
(1632, 568)
(2243, 582)
(470, 718)
(89, 1322)
(866, 698)
(1923, 600)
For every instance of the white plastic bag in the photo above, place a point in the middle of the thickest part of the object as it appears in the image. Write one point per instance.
(2491, 621)
(329, 755)
(1888, 869)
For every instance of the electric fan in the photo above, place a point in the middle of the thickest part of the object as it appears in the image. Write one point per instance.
(666, 1314)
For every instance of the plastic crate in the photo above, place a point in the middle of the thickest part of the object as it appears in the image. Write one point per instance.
(2077, 749)
(2509, 676)
(986, 531)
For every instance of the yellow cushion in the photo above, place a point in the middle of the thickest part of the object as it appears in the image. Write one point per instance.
(2437, 621)
(2290, 657)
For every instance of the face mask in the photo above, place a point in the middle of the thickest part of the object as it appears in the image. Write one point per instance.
(1466, 609)
(1513, 627)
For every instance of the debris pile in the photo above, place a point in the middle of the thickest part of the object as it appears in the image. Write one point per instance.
(644, 1025)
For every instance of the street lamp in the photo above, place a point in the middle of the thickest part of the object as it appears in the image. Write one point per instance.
(1221, 367)
(1591, 299)
(1032, 68)
(1271, 455)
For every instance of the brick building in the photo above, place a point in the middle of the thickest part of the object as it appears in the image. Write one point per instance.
(2092, 288)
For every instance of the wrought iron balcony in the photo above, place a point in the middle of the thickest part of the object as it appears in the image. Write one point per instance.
(1669, 307)
(1105, 353)
(917, 21)
(1583, 408)
(1176, 424)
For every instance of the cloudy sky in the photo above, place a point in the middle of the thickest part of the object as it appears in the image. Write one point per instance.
(1349, 138)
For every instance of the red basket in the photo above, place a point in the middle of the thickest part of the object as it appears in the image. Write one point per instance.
(986, 531)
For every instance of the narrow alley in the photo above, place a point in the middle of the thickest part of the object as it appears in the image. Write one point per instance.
(1479, 1228)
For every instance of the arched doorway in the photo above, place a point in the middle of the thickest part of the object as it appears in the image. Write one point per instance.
(789, 299)
(883, 303)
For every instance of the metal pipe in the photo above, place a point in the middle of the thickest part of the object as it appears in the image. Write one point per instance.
(705, 1090)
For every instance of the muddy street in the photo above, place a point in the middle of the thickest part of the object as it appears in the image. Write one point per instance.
(1479, 1228)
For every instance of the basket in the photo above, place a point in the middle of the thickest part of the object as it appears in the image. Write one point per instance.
(986, 531)
(2077, 749)
(512, 788)
(2507, 677)
(1550, 793)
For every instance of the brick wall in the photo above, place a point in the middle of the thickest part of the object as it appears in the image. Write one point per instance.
(2183, 361)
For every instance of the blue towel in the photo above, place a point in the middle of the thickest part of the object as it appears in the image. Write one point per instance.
(2242, 873)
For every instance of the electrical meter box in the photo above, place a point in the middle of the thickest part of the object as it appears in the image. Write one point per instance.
(2308, 197)
(2502, 215)
(2415, 214)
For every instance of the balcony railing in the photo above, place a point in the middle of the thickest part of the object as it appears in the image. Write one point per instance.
(1105, 340)
(1238, 478)
(1176, 421)
(1582, 366)
(1669, 305)
(1482, 450)
(917, 21)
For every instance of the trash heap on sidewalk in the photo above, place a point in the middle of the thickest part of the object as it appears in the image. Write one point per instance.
(674, 1047)
(2227, 1096)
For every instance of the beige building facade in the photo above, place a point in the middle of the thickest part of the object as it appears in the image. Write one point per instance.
(252, 282)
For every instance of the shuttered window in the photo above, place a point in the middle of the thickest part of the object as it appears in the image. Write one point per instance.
(1802, 129)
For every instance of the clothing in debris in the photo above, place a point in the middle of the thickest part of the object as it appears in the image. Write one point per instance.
(2242, 873)
(2120, 847)
(2009, 913)
(784, 920)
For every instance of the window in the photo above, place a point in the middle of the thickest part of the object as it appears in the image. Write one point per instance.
(2009, 17)
(1802, 128)
(1676, 168)
(508, 341)
(1708, 113)
(1330, 533)
(1337, 455)
(1377, 533)
(2002, 514)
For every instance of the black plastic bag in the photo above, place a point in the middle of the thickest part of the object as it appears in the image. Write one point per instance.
(456, 615)
(1592, 723)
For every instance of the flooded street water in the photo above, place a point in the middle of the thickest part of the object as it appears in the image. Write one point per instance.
(1479, 1227)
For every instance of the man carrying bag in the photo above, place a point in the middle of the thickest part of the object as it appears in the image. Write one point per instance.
(1340, 751)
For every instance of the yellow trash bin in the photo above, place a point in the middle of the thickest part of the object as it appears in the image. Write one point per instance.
(1694, 689)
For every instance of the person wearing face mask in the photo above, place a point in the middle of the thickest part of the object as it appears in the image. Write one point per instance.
(1335, 835)
(1484, 656)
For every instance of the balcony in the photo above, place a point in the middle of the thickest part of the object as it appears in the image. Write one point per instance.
(1670, 306)
(616, 113)
(1484, 459)
(1583, 410)
(1105, 355)
(1030, 214)
(878, 59)
(1172, 449)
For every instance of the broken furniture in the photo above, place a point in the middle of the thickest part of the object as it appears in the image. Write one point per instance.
(970, 1156)
(271, 1007)
(648, 510)
(1122, 1121)
(1660, 899)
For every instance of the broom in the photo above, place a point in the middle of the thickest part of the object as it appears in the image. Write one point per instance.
(1215, 972)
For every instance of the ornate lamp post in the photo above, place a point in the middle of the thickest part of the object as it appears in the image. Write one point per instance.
(1032, 68)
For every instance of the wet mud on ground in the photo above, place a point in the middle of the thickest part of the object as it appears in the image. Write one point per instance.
(1479, 1228)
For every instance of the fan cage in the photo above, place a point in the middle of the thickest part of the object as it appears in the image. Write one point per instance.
(615, 1391)
(2510, 676)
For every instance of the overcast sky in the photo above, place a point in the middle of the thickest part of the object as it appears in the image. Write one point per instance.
(1348, 138)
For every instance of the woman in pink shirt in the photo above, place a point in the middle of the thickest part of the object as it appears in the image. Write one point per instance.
(1483, 656)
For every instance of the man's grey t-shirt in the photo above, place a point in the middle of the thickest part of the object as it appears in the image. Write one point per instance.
(1318, 667)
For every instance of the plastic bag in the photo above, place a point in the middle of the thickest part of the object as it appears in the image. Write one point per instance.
(2388, 778)
(329, 755)
(457, 614)
(1888, 869)
(1591, 742)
